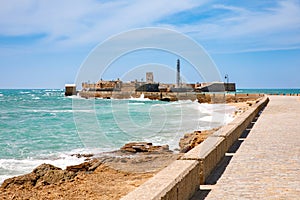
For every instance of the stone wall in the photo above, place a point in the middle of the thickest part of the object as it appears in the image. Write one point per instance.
(173, 96)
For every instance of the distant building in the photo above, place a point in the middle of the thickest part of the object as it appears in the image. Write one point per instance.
(216, 87)
(103, 86)
(149, 87)
(149, 77)
(70, 89)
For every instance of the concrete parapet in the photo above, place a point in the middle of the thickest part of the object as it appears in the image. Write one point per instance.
(176, 182)
(234, 129)
(230, 133)
(208, 153)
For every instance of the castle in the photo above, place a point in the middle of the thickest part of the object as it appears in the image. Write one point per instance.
(154, 90)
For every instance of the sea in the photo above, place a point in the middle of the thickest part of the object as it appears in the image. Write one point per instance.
(269, 91)
(43, 126)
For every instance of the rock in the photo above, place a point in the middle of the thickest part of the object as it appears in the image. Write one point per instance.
(185, 149)
(26, 181)
(190, 140)
(44, 174)
(43, 169)
(81, 167)
(85, 167)
(94, 166)
(55, 176)
(78, 155)
(135, 147)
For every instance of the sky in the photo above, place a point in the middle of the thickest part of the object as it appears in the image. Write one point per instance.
(43, 44)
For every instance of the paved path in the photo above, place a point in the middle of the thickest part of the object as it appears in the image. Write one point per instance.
(267, 164)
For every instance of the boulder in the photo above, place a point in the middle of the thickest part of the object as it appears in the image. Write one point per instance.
(190, 140)
(44, 174)
(27, 180)
(43, 169)
(84, 167)
(81, 167)
(135, 147)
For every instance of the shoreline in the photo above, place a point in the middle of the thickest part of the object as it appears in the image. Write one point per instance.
(133, 165)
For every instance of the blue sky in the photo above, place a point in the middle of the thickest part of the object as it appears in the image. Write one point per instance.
(44, 43)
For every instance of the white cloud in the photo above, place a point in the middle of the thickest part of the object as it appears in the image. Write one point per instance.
(243, 29)
(76, 23)
(82, 21)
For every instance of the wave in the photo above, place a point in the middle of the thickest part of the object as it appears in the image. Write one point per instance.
(222, 118)
(141, 98)
(136, 103)
(206, 118)
(74, 97)
(53, 90)
(62, 111)
(15, 167)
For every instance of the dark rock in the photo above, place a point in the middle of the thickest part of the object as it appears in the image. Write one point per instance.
(135, 147)
(78, 155)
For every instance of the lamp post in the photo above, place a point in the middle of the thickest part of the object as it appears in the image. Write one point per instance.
(226, 78)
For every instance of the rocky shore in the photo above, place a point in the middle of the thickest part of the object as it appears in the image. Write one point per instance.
(106, 176)
(109, 176)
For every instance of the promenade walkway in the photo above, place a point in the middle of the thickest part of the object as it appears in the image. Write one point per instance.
(267, 164)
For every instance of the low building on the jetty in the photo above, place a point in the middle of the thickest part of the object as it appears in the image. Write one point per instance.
(120, 86)
(102, 86)
(70, 89)
(216, 87)
(148, 87)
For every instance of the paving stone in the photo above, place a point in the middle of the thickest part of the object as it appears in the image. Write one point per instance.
(267, 164)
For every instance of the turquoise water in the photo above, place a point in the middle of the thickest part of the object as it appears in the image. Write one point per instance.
(269, 91)
(44, 126)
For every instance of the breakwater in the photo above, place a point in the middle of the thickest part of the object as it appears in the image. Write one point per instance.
(182, 178)
(174, 96)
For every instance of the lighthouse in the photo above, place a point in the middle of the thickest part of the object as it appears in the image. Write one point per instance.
(178, 73)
